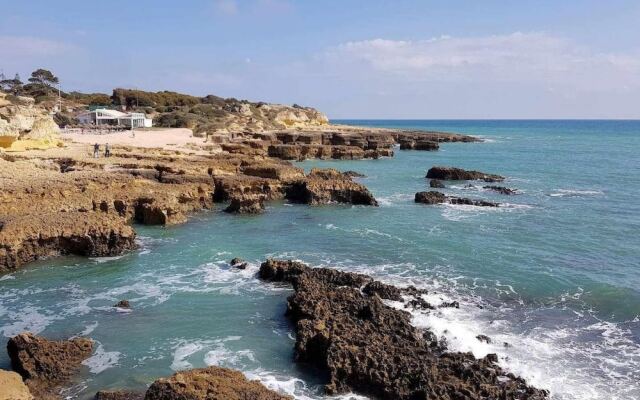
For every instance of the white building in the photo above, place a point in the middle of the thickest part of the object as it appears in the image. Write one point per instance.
(104, 116)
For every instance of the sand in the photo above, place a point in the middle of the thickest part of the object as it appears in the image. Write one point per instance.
(166, 138)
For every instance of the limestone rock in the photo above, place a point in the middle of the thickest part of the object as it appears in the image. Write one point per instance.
(323, 186)
(26, 238)
(212, 383)
(12, 387)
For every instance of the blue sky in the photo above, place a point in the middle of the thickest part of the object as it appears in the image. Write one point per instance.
(349, 58)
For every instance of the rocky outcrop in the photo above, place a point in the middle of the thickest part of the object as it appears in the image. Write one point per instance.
(12, 387)
(210, 384)
(458, 174)
(24, 125)
(411, 144)
(123, 304)
(501, 189)
(118, 395)
(46, 365)
(433, 197)
(26, 238)
(435, 183)
(324, 186)
(246, 205)
(365, 346)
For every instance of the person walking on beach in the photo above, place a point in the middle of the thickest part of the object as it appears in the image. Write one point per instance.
(96, 150)
(107, 150)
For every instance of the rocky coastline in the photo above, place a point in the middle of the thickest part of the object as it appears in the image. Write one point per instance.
(346, 328)
(61, 201)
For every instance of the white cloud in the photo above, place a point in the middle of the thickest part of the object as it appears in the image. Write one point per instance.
(517, 57)
(26, 46)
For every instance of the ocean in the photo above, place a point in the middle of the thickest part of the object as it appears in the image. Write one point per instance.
(552, 276)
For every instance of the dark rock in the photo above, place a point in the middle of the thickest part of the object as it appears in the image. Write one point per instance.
(435, 183)
(384, 291)
(430, 197)
(119, 395)
(484, 338)
(426, 145)
(502, 190)
(123, 304)
(210, 383)
(46, 365)
(370, 348)
(239, 263)
(433, 197)
(449, 304)
(472, 202)
(458, 174)
(353, 174)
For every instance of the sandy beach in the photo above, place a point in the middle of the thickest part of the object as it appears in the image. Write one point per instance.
(167, 138)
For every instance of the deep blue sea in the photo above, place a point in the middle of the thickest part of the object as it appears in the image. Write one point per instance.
(554, 272)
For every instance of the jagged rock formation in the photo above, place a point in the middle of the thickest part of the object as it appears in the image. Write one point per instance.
(210, 384)
(343, 327)
(324, 186)
(433, 197)
(12, 387)
(24, 125)
(458, 174)
(46, 365)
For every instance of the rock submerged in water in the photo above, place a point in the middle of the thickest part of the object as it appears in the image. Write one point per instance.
(435, 183)
(368, 347)
(459, 174)
(46, 365)
(210, 383)
(239, 263)
(433, 197)
(501, 189)
(123, 304)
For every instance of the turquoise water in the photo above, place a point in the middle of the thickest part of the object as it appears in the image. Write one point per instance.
(553, 272)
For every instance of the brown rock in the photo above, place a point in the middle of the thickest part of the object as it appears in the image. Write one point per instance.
(12, 387)
(246, 205)
(457, 174)
(46, 365)
(431, 197)
(435, 183)
(123, 304)
(370, 348)
(501, 189)
(25, 238)
(119, 395)
(323, 186)
(213, 383)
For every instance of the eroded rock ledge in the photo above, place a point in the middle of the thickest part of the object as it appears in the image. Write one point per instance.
(433, 197)
(47, 365)
(344, 328)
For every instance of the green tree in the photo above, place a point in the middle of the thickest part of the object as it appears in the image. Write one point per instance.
(43, 77)
(13, 86)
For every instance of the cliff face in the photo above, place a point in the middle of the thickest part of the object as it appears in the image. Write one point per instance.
(24, 125)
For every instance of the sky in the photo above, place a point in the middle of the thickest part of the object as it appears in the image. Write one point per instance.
(448, 59)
